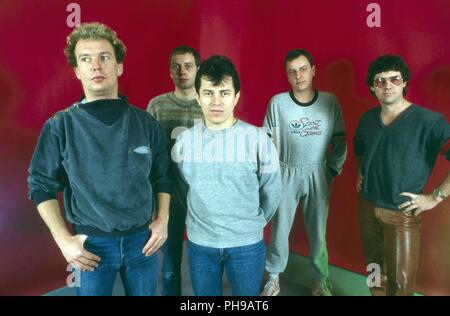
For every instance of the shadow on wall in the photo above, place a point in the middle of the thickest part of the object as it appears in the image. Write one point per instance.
(29, 255)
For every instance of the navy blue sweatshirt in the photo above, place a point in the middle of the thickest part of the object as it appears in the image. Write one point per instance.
(110, 159)
(399, 157)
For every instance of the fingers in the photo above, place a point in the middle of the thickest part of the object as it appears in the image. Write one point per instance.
(155, 242)
(410, 195)
(87, 261)
(89, 256)
(78, 256)
(409, 209)
(358, 185)
(413, 212)
(413, 206)
(152, 246)
(406, 204)
(82, 238)
(85, 265)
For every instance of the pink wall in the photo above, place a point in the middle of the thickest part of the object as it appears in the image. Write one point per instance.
(35, 82)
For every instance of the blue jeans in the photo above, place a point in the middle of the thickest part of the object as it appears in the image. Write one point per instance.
(243, 265)
(172, 254)
(123, 255)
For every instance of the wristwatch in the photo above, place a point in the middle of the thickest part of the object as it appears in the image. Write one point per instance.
(438, 193)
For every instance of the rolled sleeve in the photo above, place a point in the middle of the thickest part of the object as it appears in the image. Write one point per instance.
(46, 174)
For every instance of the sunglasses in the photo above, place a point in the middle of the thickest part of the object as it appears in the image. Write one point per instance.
(382, 82)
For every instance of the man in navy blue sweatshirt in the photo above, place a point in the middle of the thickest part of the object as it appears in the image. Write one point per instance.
(396, 146)
(111, 159)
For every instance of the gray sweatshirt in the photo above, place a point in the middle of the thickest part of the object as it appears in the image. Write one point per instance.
(234, 183)
(303, 132)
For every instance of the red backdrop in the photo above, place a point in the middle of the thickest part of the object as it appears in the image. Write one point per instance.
(35, 82)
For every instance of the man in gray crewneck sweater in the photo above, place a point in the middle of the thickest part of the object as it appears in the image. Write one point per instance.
(232, 172)
(174, 111)
(112, 162)
(304, 123)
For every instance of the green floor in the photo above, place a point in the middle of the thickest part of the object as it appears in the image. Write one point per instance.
(344, 282)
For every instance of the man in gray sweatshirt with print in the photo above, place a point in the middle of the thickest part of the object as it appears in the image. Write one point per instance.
(234, 186)
(304, 124)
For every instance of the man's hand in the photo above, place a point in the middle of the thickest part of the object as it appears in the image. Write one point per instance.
(418, 203)
(158, 237)
(359, 181)
(71, 246)
(74, 252)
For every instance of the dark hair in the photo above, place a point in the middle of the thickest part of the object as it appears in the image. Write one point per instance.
(181, 50)
(93, 31)
(388, 63)
(214, 69)
(295, 53)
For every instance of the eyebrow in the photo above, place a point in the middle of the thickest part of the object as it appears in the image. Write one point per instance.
(304, 66)
(101, 53)
(388, 77)
(211, 90)
(184, 63)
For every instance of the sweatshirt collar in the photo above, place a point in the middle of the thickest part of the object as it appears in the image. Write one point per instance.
(107, 111)
(314, 99)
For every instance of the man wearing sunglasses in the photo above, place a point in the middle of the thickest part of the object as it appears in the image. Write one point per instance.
(396, 147)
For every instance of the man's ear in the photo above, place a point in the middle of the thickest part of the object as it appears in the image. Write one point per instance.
(238, 95)
(119, 69)
(77, 73)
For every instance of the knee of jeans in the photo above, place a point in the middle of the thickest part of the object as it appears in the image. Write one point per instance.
(169, 275)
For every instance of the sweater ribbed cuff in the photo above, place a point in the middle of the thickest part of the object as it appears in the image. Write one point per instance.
(42, 196)
(163, 188)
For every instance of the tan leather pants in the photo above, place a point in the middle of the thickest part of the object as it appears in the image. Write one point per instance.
(392, 240)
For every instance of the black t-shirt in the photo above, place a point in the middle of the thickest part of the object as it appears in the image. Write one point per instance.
(399, 157)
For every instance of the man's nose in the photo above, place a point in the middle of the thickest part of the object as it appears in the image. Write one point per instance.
(96, 65)
(182, 70)
(217, 99)
(389, 84)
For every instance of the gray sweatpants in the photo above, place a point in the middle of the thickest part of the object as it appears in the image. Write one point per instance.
(309, 185)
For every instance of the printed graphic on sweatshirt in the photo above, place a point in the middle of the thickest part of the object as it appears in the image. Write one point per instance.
(142, 150)
(237, 145)
(305, 127)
